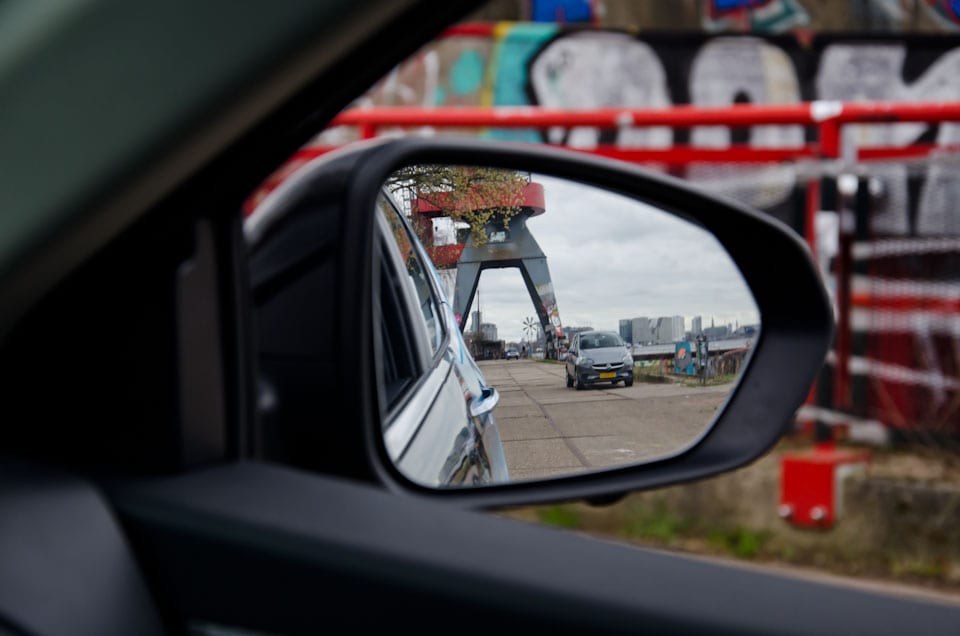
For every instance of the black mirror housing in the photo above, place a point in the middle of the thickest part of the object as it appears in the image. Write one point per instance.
(776, 264)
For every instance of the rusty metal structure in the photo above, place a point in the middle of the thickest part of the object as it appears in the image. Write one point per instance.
(505, 245)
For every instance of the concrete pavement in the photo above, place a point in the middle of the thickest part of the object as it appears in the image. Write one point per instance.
(551, 430)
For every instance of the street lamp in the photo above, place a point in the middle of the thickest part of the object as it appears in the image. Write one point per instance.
(702, 353)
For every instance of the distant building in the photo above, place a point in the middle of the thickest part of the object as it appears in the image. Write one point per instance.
(642, 329)
(475, 322)
(626, 330)
(670, 329)
(696, 326)
(716, 332)
(488, 332)
(748, 331)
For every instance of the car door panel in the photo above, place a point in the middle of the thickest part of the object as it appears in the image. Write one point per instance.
(268, 548)
(426, 428)
(67, 567)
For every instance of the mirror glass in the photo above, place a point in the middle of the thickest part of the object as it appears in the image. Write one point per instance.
(551, 327)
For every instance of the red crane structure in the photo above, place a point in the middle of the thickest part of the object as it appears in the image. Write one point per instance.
(507, 243)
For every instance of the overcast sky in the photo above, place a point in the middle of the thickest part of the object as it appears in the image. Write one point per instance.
(611, 257)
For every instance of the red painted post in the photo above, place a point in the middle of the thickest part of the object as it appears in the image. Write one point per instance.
(810, 221)
(844, 274)
(829, 139)
(368, 130)
(810, 233)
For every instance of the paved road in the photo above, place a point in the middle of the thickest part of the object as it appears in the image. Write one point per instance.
(549, 429)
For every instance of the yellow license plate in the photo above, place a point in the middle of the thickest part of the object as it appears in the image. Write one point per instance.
(608, 376)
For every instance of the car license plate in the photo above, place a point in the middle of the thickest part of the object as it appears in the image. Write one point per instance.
(608, 376)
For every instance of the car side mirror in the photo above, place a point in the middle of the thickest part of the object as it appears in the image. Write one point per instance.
(434, 409)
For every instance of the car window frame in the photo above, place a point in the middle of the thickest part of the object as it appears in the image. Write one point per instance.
(430, 372)
(436, 294)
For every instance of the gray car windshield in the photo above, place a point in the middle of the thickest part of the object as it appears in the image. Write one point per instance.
(600, 341)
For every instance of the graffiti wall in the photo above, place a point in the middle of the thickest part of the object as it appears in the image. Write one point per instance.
(514, 64)
(906, 318)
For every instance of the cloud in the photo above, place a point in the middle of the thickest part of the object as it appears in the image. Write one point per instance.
(612, 257)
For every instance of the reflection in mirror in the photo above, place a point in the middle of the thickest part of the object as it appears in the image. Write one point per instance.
(585, 330)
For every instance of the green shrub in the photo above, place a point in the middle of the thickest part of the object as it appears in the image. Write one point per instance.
(560, 516)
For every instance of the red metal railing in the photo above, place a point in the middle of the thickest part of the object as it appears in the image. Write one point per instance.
(823, 146)
(825, 118)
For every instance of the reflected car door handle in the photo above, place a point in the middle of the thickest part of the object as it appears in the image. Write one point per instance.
(485, 402)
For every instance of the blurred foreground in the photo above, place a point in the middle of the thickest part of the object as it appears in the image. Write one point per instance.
(899, 519)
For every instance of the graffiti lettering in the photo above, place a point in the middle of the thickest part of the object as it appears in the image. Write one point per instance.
(541, 63)
(875, 72)
(598, 69)
(728, 70)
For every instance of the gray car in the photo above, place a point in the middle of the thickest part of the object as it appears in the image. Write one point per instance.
(598, 357)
